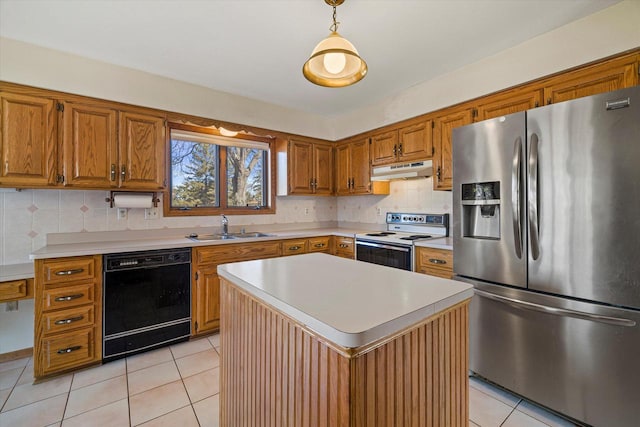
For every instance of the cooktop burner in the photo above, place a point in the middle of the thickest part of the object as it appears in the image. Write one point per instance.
(416, 237)
(381, 234)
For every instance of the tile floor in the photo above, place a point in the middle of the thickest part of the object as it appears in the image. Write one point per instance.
(178, 386)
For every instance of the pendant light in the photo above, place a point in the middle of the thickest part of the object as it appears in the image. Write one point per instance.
(335, 61)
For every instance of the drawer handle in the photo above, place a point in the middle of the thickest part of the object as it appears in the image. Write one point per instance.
(437, 261)
(69, 297)
(344, 245)
(294, 248)
(69, 272)
(69, 320)
(319, 245)
(69, 349)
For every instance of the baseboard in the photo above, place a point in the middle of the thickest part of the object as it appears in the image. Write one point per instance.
(18, 354)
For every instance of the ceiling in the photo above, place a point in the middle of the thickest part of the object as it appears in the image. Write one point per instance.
(256, 48)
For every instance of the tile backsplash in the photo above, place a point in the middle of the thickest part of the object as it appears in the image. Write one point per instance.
(27, 216)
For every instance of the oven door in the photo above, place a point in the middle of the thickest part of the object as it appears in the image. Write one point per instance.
(397, 256)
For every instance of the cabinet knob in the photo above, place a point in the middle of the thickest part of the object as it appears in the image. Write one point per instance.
(67, 321)
(69, 272)
(69, 297)
(69, 349)
(294, 248)
(437, 261)
(113, 172)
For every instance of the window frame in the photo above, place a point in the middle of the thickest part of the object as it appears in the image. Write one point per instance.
(222, 196)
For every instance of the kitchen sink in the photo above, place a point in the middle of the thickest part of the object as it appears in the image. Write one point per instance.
(203, 237)
(251, 234)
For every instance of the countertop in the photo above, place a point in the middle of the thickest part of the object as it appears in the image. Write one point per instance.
(348, 302)
(16, 272)
(131, 241)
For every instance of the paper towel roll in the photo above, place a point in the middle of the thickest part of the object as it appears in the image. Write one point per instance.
(133, 200)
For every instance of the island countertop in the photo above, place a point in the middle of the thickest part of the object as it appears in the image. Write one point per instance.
(350, 303)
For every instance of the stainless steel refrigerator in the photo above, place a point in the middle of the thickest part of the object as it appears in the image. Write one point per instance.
(546, 226)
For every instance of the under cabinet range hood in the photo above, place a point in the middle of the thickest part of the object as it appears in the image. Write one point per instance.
(402, 171)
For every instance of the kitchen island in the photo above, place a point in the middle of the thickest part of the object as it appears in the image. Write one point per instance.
(321, 340)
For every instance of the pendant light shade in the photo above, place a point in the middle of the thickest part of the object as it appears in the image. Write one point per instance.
(335, 61)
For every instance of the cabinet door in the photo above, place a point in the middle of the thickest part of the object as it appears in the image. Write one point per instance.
(415, 142)
(89, 146)
(443, 159)
(343, 170)
(142, 153)
(360, 167)
(323, 169)
(512, 101)
(300, 167)
(384, 148)
(27, 140)
(605, 77)
(206, 302)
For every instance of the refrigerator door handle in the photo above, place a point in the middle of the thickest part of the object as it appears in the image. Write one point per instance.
(616, 321)
(515, 196)
(533, 197)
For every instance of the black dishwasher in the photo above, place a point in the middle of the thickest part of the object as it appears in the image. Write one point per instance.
(146, 301)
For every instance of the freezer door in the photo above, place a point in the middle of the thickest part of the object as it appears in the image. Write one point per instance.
(488, 231)
(576, 358)
(583, 166)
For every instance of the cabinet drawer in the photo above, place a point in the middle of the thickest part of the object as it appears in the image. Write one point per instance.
(236, 252)
(431, 258)
(68, 296)
(345, 247)
(69, 269)
(66, 320)
(12, 290)
(68, 350)
(294, 247)
(319, 244)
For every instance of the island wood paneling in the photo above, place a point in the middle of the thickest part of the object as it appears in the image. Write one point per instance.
(275, 372)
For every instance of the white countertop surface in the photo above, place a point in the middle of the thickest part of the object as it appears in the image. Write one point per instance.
(442, 243)
(351, 303)
(16, 272)
(124, 244)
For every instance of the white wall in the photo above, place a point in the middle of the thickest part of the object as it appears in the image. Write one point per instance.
(32, 65)
(602, 34)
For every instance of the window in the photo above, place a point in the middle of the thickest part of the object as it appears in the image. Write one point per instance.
(212, 174)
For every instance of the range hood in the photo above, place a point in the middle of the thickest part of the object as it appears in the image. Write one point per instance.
(402, 171)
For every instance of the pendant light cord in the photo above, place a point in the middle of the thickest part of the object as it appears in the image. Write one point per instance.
(334, 26)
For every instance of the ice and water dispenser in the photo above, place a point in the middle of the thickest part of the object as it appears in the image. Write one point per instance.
(481, 210)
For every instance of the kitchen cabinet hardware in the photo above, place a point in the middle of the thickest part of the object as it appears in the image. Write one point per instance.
(295, 248)
(395, 150)
(60, 179)
(69, 349)
(69, 272)
(113, 172)
(69, 320)
(400, 149)
(437, 261)
(343, 245)
(319, 245)
(69, 297)
(123, 173)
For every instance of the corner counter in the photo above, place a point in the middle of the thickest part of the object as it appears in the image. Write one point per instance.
(346, 343)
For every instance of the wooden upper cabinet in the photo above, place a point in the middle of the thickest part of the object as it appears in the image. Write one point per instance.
(89, 146)
(610, 75)
(443, 159)
(28, 140)
(310, 167)
(142, 151)
(360, 167)
(323, 169)
(384, 148)
(343, 170)
(415, 141)
(512, 101)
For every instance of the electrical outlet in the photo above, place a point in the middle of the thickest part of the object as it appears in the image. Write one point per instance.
(306, 211)
(379, 211)
(151, 213)
(122, 213)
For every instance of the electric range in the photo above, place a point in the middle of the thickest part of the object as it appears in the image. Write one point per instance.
(394, 247)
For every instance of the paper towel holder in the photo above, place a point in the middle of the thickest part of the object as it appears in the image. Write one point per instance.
(111, 198)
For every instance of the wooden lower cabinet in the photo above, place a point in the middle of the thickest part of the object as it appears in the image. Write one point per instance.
(274, 371)
(205, 305)
(68, 314)
(319, 244)
(344, 247)
(14, 290)
(435, 262)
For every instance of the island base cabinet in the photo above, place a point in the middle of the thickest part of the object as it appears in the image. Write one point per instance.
(275, 372)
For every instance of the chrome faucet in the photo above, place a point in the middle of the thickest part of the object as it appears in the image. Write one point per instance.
(225, 225)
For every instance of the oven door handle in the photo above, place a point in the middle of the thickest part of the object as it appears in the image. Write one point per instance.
(380, 245)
